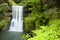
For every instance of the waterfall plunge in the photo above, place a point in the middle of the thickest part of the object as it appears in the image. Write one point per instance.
(17, 19)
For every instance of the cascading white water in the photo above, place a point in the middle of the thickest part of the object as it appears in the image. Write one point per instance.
(17, 19)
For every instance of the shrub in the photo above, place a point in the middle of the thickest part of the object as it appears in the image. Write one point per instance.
(3, 8)
(4, 23)
(34, 21)
(51, 32)
(36, 17)
(25, 37)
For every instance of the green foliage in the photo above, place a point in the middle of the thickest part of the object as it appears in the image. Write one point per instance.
(12, 2)
(3, 8)
(55, 22)
(36, 4)
(3, 13)
(36, 18)
(17, 1)
(51, 32)
(55, 15)
(25, 37)
(4, 23)
(1, 23)
(1, 1)
(23, 2)
(34, 21)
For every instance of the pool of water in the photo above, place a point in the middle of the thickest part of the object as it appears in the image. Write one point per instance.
(5, 35)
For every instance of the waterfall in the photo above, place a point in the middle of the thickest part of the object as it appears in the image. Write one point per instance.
(17, 19)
